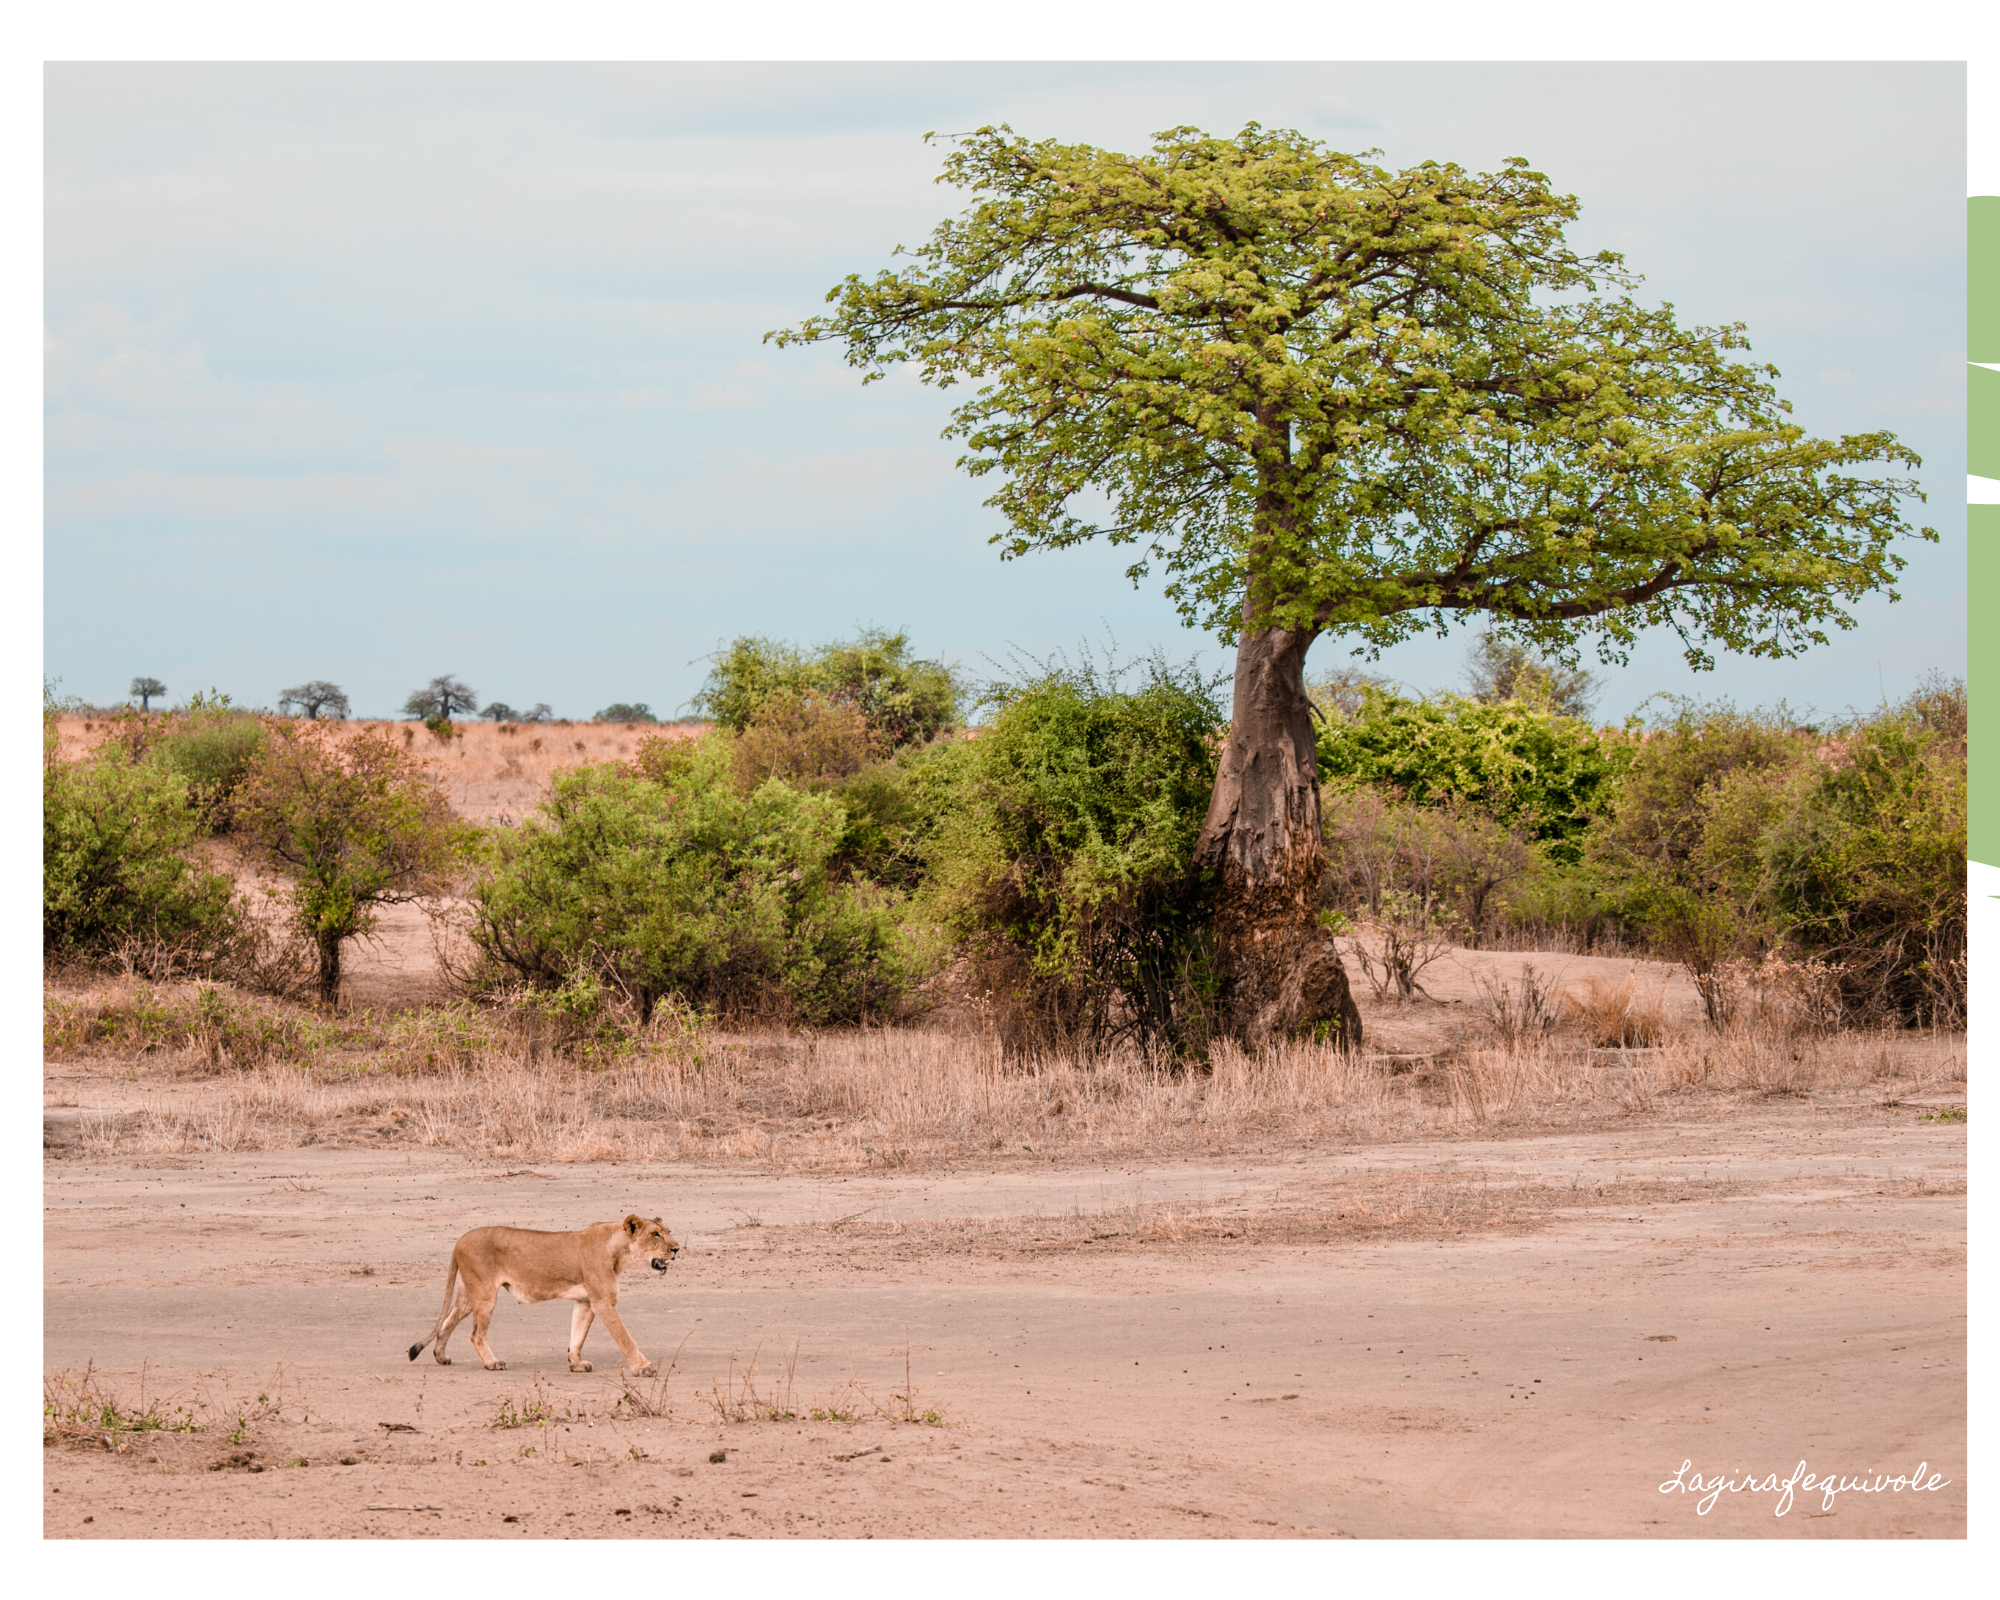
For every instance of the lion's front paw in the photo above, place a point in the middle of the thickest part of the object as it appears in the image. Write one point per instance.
(650, 1370)
(444, 1361)
(579, 1366)
(496, 1366)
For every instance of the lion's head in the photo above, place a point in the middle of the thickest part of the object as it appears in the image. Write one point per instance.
(651, 1240)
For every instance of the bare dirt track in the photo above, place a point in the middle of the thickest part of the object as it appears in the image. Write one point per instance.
(1784, 1285)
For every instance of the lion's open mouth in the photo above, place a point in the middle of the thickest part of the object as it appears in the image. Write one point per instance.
(659, 1263)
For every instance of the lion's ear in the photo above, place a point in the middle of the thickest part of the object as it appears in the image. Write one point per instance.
(634, 1223)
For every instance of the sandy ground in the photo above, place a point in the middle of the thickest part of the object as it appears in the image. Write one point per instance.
(1790, 1286)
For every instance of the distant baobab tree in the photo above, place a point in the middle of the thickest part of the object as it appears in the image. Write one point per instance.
(316, 699)
(148, 690)
(500, 711)
(637, 711)
(439, 699)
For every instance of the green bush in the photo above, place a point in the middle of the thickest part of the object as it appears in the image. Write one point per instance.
(661, 879)
(810, 739)
(1693, 797)
(354, 822)
(1736, 833)
(1531, 769)
(902, 699)
(1868, 868)
(1063, 849)
(210, 751)
(118, 866)
(1680, 854)
(887, 807)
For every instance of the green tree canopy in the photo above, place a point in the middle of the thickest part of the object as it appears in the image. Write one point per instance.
(1365, 400)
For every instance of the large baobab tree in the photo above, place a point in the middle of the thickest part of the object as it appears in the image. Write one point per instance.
(1328, 398)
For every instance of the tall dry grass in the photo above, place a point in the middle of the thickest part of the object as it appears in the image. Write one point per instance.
(899, 1097)
(1618, 1012)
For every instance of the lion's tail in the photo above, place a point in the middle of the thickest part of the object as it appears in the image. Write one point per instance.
(450, 1281)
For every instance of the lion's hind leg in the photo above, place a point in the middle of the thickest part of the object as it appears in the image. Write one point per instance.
(459, 1312)
(579, 1325)
(482, 1315)
(441, 1328)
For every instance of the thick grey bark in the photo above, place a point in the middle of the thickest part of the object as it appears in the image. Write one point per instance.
(1282, 975)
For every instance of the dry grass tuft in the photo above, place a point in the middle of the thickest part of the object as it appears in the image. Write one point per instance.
(1619, 1013)
(743, 1396)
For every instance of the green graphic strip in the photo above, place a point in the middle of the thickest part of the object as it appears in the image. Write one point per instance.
(1982, 523)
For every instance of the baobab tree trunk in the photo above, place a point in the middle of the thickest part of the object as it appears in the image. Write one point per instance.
(1281, 972)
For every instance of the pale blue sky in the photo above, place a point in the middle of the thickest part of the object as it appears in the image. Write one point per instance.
(371, 373)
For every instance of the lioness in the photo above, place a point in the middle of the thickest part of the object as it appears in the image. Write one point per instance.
(536, 1265)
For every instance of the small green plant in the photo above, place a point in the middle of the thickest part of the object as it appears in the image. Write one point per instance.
(530, 1410)
(240, 1434)
(906, 1408)
(1944, 1114)
(78, 1407)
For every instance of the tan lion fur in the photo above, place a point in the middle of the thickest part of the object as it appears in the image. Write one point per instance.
(537, 1266)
